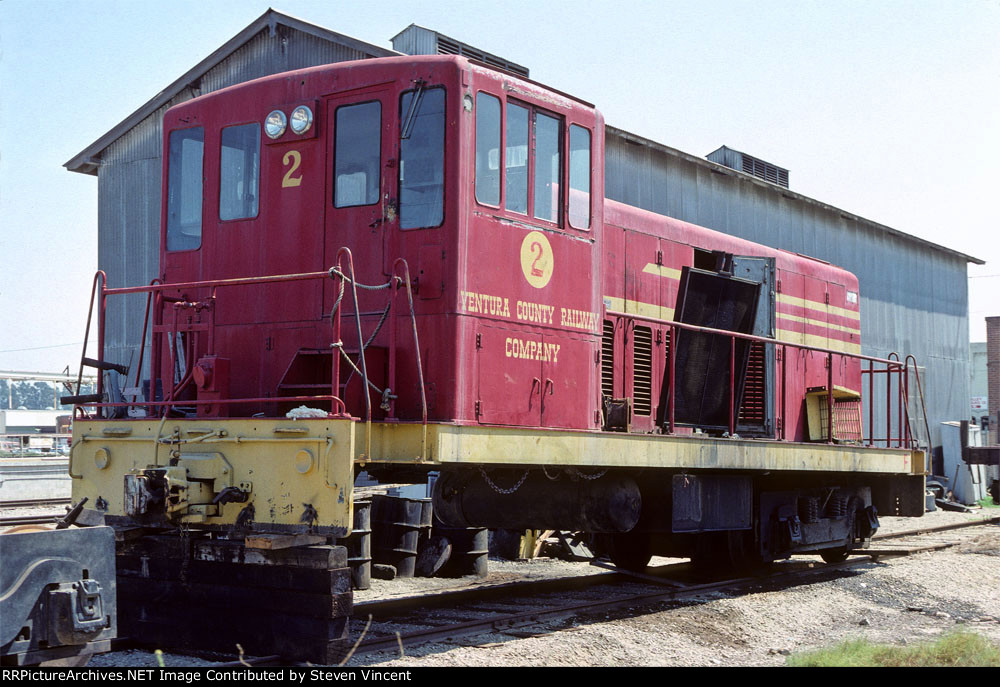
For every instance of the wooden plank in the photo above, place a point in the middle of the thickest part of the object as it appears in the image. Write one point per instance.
(282, 541)
(322, 642)
(142, 543)
(540, 542)
(265, 577)
(234, 601)
(323, 556)
(200, 547)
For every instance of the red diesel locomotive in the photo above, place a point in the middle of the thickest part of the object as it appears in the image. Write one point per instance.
(408, 264)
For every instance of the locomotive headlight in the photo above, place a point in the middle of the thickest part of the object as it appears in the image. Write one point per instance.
(275, 124)
(301, 119)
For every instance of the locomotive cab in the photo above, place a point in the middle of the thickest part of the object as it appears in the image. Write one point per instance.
(437, 162)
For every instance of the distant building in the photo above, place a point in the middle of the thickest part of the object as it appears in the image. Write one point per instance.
(993, 375)
(978, 385)
(34, 430)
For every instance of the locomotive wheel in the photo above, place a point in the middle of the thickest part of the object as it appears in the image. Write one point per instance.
(629, 550)
(710, 556)
(732, 551)
(743, 553)
(837, 554)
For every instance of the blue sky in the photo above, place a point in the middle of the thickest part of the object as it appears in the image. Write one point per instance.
(890, 110)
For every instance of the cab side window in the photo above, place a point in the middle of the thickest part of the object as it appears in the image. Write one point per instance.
(184, 188)
(530, 164)
(239, 172)
(579, 177)
(357, 155)
(421, 158)
(548, 168)
(516, 198)
(487, 149)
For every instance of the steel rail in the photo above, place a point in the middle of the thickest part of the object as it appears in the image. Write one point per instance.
(28, 503)
(47, 519)
(939, 528)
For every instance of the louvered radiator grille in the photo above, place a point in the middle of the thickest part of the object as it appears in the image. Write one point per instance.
(608, 360)
(752, 410)
(642, 371)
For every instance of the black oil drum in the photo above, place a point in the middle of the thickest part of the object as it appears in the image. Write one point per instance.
(469, 550)
(396, 523)
(359, 545)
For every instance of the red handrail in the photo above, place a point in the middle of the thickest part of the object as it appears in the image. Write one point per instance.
(892, 364)
(156, 294)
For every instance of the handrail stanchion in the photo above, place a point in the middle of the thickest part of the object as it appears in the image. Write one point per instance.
(904, 402)
(334, 352)
(211, 322)
(829, 398)
(871, 403)
(156, 347)
(393, 344)
(102, 311)
(784, 392)
(416, 348)
(903, 386)
(101, 277)
(923, 407)
(672, 391)
(888, 399)
(732, 385)
(361, 347)
(142, 342)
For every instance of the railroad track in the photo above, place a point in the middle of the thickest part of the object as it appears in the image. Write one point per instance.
(909, 542)
(45, 519)
(32, 518)
(395, 625)
(31, 503)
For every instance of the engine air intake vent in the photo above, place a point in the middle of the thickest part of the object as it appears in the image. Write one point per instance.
(642, 371)
(753, 410)
(608, 360)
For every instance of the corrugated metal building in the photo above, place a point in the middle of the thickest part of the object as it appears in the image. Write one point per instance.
(914, 294)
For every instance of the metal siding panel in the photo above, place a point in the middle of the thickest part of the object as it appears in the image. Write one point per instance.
(405, 41)
(128, 246)
(267, 54)
(416, 40)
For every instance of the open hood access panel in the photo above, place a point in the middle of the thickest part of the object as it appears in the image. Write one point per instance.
(737, 296)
